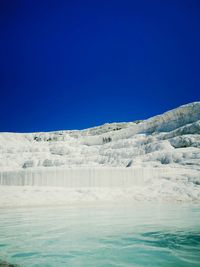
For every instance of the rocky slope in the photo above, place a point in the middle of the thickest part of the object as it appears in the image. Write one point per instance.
(171, 139)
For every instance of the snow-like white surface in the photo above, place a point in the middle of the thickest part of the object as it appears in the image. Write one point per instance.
(111, 155)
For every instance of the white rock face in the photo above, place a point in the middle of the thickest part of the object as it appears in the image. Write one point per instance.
(155, 159)
(171, 139)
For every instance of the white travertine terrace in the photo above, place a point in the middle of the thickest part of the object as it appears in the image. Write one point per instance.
(162, 149)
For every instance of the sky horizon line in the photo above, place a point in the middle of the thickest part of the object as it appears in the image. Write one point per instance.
(94, 126)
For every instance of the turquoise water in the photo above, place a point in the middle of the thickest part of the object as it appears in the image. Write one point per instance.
(101, 235)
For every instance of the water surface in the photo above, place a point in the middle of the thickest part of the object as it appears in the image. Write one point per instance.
(101, 235)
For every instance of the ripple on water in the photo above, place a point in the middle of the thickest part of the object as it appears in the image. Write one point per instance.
(6, 264)
(101, 236)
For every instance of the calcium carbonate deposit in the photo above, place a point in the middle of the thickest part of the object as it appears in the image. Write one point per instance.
(154, 159)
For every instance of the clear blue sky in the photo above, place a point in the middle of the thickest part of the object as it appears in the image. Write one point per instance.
(75, 64)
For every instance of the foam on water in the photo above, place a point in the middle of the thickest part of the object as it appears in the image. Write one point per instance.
(100, 235)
